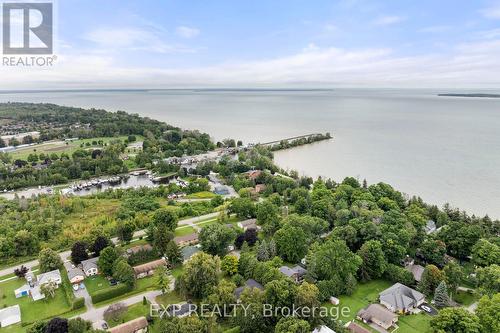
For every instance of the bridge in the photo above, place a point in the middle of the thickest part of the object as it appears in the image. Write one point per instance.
(307, 136)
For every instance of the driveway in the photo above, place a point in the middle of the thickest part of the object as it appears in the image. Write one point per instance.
(85, 294)
(433, 311)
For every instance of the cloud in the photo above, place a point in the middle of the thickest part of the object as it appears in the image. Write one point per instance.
(436, 29)
(132, 39)
(388, 20)
(491, 12)
(187, 32)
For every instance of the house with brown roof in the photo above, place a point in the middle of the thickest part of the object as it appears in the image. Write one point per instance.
(139, 248)
(190, 239)
(377, 314)
(356, 328)
(148, 269)
(248, 224)
(139, 325)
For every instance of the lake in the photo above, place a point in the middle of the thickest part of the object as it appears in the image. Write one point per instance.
(444, 149)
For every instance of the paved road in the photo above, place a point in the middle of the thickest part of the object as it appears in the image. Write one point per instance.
(65, 255)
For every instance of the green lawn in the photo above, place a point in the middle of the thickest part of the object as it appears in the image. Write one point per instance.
(169, 298)
(365, 294)
(133, 312)
(33, 310)
(96, 283)
(417, 323)
(201, 195)
(142, 285)
(184, 231)
(465, 298)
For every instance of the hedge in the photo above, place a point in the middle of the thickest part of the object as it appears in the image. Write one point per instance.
(78, 303)
(109, 293)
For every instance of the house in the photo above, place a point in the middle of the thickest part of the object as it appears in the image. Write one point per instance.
(323, 329)
(10, 316)
(52, 276)
(75, 274)
(377, 314)
(334, 300)
(259, 188)
(139, 325)
(251, 283)
(356, 328)
(248, 224)
(186, 240)
(148, 269)
(296, 273)
(416, 270)
(430, 227)
(181, 310)
(187, 252)
(139, 248)
(254, 174)
(401, 298)
(36, 293)
(89, 266)
(22, 291)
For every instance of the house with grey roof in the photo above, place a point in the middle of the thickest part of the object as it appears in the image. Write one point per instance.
(400, 298)
(89, 266)
(52, 276)
(180, 310)
(250, 283)
(430, 227)
(296, 273)
(75, 274)
(10, 316)
(248, 224)
(188, 251)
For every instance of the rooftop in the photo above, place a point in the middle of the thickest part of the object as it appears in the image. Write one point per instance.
(400, 296)
(130, 326)
(379, 312)
(89, 263)
(149, 266)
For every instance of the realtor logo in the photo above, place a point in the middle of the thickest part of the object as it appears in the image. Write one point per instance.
(27, 28)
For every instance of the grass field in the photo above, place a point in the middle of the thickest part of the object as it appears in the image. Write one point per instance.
(465, 298)
(201, 195)
(133, 312)
(417, 323)
(59, 147)
(184, 231)
(96, 283)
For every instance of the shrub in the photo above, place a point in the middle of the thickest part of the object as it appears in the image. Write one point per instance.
(78, 303)
(109, 293)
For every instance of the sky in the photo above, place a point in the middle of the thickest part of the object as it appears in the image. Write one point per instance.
(269, 44)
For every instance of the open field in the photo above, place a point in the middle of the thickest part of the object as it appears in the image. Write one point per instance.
(59, 147)
(133, 312)
(184, 231)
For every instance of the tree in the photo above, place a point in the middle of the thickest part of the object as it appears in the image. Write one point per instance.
(268, 216)
(487, 311)
(100, 243)
(242, 207)
(229, 264)
(115, 311)
(48, 289)
(431, 277)
(280, 293)
(57, 325)
(456, 320)
(49, 260)
(200, 274)
(433, 251)
(125, 231)
(78, 325)
(292, 325)
(222, 295)
(374, 262)
(334, 262)
(252, 320)
(167, 217)
(124, 273)
(488, 279)
(79, 252)
(215, 238)
(161, 237)
(26, 243)
(21, 271)
(106, 260)
(163, 278)
(396, 273)
(291, 243)
(39, 326)
(453, 275)
(485, 253)
(441, 298)
(173, 253)
(308, 297)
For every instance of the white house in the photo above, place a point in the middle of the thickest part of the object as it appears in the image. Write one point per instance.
(89, 266)
(52, 276)
(323, 329)
(10, 316)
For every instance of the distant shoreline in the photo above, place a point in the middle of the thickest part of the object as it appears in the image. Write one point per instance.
(472, 95)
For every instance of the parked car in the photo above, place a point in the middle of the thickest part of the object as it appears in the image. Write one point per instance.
(113, 282)
(426, 308)
(75, 287)
(105, 325)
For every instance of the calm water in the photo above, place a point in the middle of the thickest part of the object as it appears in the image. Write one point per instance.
(443, 149)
